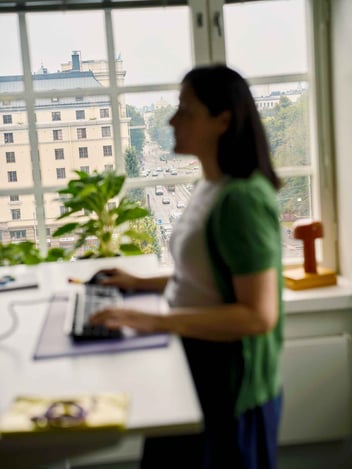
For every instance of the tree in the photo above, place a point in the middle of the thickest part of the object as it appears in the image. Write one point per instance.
(137, 134)
(131, 162)
(132, 170)
(287, 129)
(149, 226)
(159, 128)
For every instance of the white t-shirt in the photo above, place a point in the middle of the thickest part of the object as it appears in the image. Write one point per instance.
(192, 283)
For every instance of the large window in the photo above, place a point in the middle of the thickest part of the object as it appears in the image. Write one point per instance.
(124, 84)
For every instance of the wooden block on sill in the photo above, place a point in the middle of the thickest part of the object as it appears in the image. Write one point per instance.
(298, 279)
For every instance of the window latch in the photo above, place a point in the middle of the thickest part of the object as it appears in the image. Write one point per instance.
(199, 20)
(217, 22)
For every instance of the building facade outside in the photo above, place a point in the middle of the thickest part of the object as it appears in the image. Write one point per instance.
(74, 133)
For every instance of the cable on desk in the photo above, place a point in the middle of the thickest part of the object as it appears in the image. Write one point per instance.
(14, 317)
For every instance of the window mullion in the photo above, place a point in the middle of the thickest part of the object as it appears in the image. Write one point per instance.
(119, 158)
(216, 30)
(320, 56)
(200, 30)
(33, 139)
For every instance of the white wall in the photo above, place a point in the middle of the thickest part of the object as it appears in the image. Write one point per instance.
(342, 95)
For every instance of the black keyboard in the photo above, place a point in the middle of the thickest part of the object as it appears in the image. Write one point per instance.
(92, 299)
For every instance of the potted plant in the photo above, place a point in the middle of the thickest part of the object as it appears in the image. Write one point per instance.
(87, 197)
(26, 252)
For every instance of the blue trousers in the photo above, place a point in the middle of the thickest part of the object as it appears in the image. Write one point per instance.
(249, 442)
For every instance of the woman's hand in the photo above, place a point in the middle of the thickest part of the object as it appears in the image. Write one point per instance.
(115, 318)
(116, 278)
(129, 282)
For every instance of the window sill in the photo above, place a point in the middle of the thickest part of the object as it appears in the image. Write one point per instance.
(336, 297)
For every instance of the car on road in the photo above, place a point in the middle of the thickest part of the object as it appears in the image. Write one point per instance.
(165, 200)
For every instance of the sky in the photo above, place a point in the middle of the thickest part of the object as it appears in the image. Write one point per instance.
(155, 44)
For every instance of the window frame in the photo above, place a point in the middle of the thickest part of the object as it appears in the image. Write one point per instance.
(60, 173)
(10, 157)
(83, 152)
(7, 119)
(12, 176)
(8, 138)
(80, 114)
(59, 153)
(81, 133)
(15, 214)
(208, 43)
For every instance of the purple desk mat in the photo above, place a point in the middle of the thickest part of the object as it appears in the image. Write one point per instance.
(53, 342)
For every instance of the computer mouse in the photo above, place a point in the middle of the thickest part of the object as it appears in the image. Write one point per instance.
(97, 278)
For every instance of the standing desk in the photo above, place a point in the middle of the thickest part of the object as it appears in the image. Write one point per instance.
(158, 381)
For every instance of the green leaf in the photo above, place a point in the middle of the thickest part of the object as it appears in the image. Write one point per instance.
(131, 214)
(68, 228)
(129, 249)
(138, 235)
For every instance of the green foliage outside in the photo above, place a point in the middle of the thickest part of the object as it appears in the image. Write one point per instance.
(137, 134)
(88, 197)
(131, 163)
(287, 130)
(149, 226)
(159, 128)
(137, 195)
(132, 170)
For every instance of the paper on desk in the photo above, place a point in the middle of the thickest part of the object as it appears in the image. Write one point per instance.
(100, 411)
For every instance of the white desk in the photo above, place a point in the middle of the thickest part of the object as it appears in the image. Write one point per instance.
(163, 398)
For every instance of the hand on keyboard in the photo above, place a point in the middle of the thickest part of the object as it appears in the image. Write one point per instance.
(93, 299)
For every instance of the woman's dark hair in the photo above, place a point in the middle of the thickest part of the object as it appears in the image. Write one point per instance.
(243, 148)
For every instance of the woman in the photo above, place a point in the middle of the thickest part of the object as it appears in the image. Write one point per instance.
(225, 293)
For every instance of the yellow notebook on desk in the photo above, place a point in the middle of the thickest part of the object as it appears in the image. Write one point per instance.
(28, 414)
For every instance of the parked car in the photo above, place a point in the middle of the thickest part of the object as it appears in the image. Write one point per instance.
(165, 200)
(180, 204)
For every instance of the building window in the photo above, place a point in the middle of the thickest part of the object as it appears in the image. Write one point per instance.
(56, 116)
(15, 214)
(81, 133)
(104, 113)
(17, 234)
(108, 167)
(83, 152)
(80, 115)
(107, 150)
(106, 131)
(14, 198)
(60, 173)
(7, 119)
(59, 154)
(8, 137)
(63, 209)
(10, 157)
(85, 169)
(12, 176)
(57, 134)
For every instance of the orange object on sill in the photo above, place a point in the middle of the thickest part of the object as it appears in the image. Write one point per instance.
(309, 275)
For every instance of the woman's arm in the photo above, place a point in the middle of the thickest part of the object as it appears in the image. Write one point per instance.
(256, 312)
(126, 281)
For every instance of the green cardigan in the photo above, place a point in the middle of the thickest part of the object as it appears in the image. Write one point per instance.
(244, 236)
